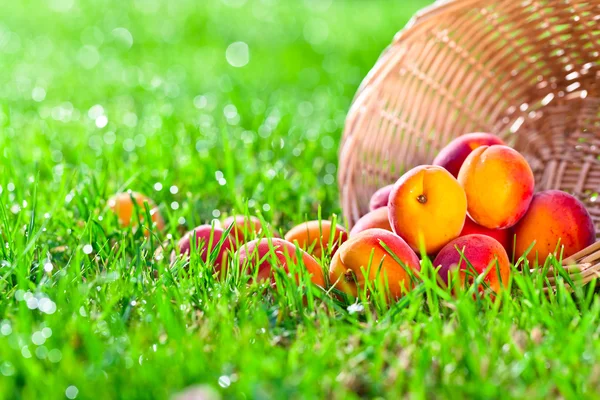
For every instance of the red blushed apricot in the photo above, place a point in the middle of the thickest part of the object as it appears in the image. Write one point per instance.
(499, 185)
(314, 237)
(207, 239)
(554, 219)
(244, 228)
(350, 268)
(123, 206)
(378, 218)
(427, 208)
(456, 152)
(263, 254)
(486, 255)
(380, 198)
(504, 236)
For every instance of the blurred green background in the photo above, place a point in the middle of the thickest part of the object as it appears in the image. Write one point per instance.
(175, 92)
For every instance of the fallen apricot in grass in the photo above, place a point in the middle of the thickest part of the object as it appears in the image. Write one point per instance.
(456, 152)
(260, 255)
(316, 237)
(243, 228)
(207, 239)
(499, 185)
(504, 236)
(427, 208)
(485, 254)
(555, 221)
(365, 257)
(122, 204)
(378, 218)
(380, 198)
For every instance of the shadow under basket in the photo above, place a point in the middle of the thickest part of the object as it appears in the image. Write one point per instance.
(527, 71)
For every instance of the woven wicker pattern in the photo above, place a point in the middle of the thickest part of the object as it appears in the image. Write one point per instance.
(526, 70)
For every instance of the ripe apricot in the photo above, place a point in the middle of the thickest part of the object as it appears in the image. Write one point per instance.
(504, 236)
(456, 152)
(123, 206)
(427, 208)
(380, 198)
(485, 254)
(244, 228)
(207, 239)
(263, 254)
(316, 236)
(378, 218)
(554, 218)
(499, 185)
(352, 265)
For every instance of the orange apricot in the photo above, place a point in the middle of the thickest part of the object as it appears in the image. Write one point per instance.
(554, 219)
(504, 236)
(485, 254)
(499, 185)
(316, 236)
(364, 257)
(261, 255)
(380, 198)
(427, 208)
(124, 208)
(456, 152)
(378, 218)
(207, 239)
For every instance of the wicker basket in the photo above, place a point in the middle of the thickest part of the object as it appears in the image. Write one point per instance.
(526, 70)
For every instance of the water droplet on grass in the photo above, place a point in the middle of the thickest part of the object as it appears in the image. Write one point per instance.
(54, 355)
(237, 54)
(87, 249)
(224, 381)
(38, 94)
(71, 392)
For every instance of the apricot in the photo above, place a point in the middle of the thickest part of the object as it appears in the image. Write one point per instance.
(456, 152)
(554, 219)
(263, 254)
(207, 239)
(244, 228)
(316, 236)
(364, 258)
(504, 236)
(499, 185)
(378, 218)
(124, 208)
(427, 208)
(380, 198)
(485, 254)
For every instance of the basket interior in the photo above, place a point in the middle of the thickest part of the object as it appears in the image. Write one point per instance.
(526, 71)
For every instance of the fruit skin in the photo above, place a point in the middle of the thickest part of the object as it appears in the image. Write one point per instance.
(481, 251)
(205, 235)
(456, 152)
(349, 265)
(313, 236)
(261, 253)
(499, 185)
(380, 198)
(554, 215)
(124, 208)
(504, 236)
(427, 206)
(378, 218)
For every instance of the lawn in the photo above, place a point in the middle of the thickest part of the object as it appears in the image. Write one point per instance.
(209, 107)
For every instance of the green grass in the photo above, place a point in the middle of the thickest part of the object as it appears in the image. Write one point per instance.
(82, 311)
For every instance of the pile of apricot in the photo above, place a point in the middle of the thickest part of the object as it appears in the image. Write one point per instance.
(477, 203)
(467, 211)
